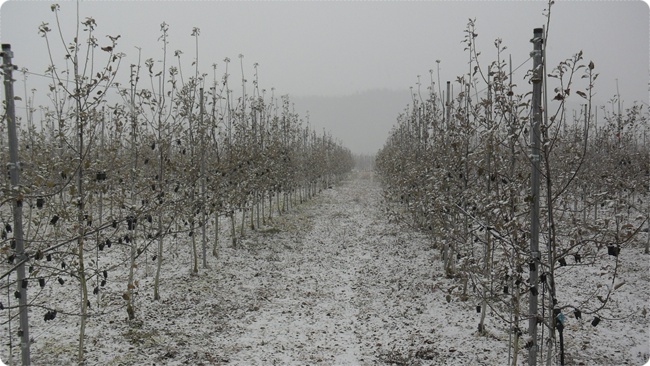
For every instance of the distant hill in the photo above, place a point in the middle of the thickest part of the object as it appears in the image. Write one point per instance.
(362, 121)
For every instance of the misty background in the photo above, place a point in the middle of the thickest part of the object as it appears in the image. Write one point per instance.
(348, 66)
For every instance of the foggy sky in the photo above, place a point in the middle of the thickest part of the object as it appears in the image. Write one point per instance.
(326, 54)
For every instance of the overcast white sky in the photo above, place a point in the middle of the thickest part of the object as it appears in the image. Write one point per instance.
(346, 48)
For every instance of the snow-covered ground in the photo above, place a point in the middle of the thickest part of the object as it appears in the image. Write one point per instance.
(333, 282)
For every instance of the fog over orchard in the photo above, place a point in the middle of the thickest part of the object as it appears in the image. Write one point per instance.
(350, 64)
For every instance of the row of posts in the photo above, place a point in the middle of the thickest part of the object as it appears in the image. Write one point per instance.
(13, 168)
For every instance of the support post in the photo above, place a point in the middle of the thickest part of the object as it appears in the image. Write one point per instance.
(204, 203)
(448, 105)
(535, 143)
(14, 176)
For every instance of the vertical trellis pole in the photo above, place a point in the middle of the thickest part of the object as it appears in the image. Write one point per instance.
(14, 176)
(448, 105)
(645, 148)
(204, 200)
(535, 175)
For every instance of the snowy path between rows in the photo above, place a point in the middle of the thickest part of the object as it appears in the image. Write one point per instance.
(332, 279)
(349, 288)
(332, 282)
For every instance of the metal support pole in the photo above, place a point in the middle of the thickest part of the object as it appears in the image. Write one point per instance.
(204, 200)
(535, 143)
(14, 176)
(448, 105)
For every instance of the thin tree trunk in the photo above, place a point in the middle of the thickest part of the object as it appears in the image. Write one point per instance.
(259, 199)
(81, 222)
(215, 245)
(233, 231)
(515, 343)
(243, 221)
(262, 193)
(195, 254)
(253, 204)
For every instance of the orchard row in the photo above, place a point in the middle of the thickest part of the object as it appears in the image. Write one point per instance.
(459, 167)
(115, 170)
